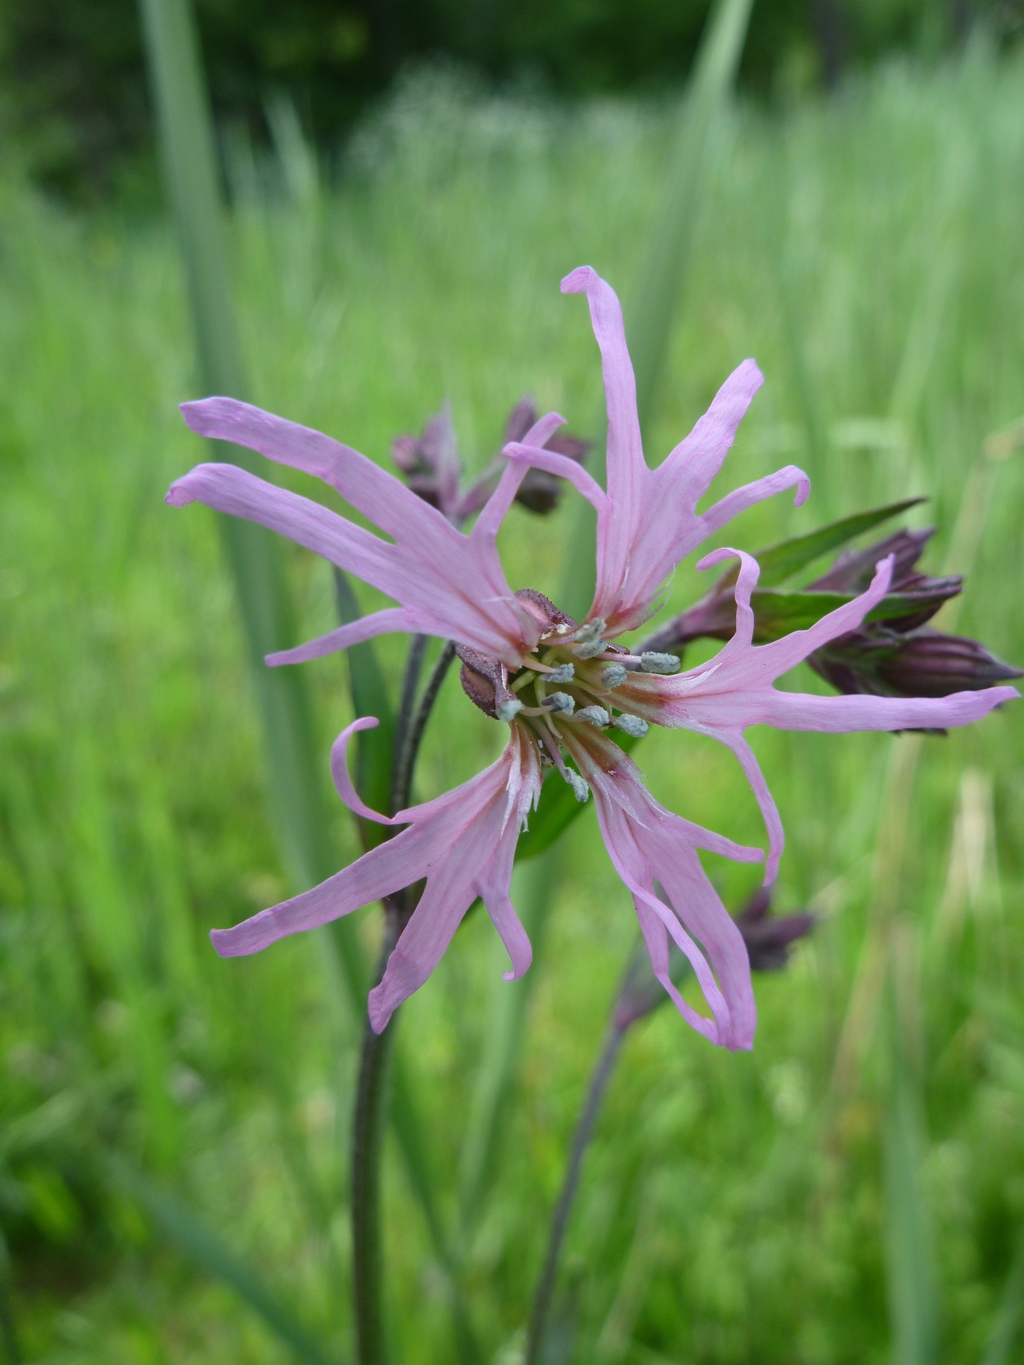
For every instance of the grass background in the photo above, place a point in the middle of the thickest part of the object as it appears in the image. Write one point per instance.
(867, 252)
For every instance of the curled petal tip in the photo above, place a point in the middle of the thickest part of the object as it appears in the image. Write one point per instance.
(200, 414)
(751, 370)
(803, 491)
(223, 941)
(578, 281)
(178, 494)
(379, 1013)
(717, 556)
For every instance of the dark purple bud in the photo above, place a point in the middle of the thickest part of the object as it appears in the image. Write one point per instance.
(883, 662)
(768, 941)
(854, 569)
(430, 462)
(769, 938)
(539, 491)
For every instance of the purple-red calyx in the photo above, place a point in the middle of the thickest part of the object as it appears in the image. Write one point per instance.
(563, 688)
(897, 657)
(431, 466)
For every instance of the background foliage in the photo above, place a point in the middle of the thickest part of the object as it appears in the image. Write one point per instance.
(866, 250)
(73, 77)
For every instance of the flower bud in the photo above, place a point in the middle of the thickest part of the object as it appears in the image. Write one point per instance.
(883, 662)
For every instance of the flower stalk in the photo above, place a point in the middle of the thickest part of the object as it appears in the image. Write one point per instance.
(768, 940)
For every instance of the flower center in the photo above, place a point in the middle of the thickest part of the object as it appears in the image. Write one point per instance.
(567, 682)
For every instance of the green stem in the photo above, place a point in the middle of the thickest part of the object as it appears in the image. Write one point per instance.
(368, 1121)
(367, 1142)
(412, 731)
(560, 1220)
(411, 681)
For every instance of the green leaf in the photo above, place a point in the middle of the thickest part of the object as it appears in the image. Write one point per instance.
(913, 1293)
(779, 613)
(779, 562)
(175, 1221)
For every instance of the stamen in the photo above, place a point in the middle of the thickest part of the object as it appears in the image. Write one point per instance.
(631, 725)
(614, 676)
(579, 788)
(505, 710)
(597, 715)
(588, 639)
(560, 703)
(523, 680)
(651, 662)
(564, 673)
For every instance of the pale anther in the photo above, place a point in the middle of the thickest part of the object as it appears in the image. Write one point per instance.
(588, 639)
(614, 675)
(560, 702)
(579, 788)
(659, 663)
(564, 673)
(631, 725)
(597, 715)
(505, 710)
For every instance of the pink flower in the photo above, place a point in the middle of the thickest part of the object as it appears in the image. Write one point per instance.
(558, 684)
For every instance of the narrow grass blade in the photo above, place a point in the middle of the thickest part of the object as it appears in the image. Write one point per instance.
(653, 305)
(179, 1225)
(8, 1330)
(375, 751)
(296, 775)
(913, 1296)
(1008, 1316)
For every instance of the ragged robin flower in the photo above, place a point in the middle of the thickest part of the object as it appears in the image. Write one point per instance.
(564, 688)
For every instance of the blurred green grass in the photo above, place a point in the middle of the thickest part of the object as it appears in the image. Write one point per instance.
(866, 251)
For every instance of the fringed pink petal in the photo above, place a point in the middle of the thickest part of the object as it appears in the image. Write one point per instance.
(696, 460)
(734, 740)
(461, 842)
(752, 493)
(656, 938)
(521, 453)
(365, 628)
(840, 715)
(455, 582)
(227, 488)
(782, 655)
(494, 891)
(388, 503)
(625, 451)
(666, 526)
(339, 771)
(386, 868)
